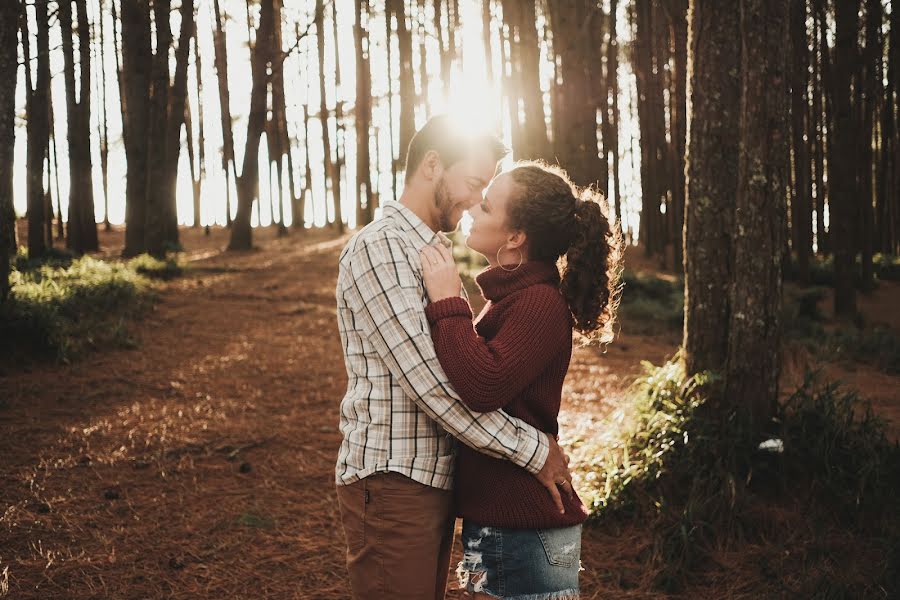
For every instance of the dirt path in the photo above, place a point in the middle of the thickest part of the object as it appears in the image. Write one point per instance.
(200, 464)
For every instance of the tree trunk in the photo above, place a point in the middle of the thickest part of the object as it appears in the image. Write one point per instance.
(576, 147)
(9, 26)
(38, 129)
(442, 49)
(340, 134)
(867, 159)
(220, 45)
(889, 180)
(407, 86)
(137, 65)
(331, 167)
(536, 142)
(754, 357)
(677, 10)
(817, 139)
(248, 182)
(510, 65)
(801, 199)
(600, 88)
(486, 40)
(177, 99)
(60, 225)
(613, 74)
(841, 167)
(277, 138)
(712, 168)
(197, 183)
(103, 125)
(365, 211)
(82, 222)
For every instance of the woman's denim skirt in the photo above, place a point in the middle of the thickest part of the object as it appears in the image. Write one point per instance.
(520, 564)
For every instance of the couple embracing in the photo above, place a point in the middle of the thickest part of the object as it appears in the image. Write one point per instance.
(447, 415)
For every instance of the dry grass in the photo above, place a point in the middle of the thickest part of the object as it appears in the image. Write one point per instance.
(200, 464)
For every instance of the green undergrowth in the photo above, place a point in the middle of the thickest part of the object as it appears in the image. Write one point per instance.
(878, 345)
(824, 493)
(62, 306)
(885, 267)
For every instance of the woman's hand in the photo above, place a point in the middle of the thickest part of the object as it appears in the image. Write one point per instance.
(441, 277)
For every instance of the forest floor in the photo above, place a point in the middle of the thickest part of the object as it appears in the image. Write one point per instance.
(200, 463)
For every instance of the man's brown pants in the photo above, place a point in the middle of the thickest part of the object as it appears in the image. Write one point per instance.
(399, 535)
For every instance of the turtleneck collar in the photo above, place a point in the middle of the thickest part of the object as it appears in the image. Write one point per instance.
(497, 283)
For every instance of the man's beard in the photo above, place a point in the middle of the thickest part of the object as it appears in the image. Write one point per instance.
(445, 205)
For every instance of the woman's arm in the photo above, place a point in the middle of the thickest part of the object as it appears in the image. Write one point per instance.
(488, 375)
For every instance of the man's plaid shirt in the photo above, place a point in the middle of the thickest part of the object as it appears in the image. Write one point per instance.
(400, 412)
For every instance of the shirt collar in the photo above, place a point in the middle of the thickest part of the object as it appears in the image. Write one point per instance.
(411, 223)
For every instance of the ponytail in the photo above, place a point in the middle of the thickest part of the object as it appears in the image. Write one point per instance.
(590, 279)
(559, 219)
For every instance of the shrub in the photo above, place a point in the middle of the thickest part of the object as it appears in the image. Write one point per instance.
(702, 481)
(62, 305)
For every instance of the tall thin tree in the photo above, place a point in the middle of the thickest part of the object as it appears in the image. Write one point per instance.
(754, 336)
(332, 168)
(712, 171)
(82, 230)
(9, 26)
(248, 182)
(841, 167)
(365, 209)
(37, 94)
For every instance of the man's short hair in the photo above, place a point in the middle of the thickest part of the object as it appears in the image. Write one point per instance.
(443, 136)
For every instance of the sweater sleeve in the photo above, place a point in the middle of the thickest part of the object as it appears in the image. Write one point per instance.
(488, 375)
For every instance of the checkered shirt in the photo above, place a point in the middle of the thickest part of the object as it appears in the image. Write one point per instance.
(400, 412)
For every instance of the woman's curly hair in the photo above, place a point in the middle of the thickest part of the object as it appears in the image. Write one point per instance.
(562, 220)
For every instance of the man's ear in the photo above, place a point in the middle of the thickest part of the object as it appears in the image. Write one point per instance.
(431, 165)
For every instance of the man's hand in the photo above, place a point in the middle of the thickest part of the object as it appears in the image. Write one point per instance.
(555, 474)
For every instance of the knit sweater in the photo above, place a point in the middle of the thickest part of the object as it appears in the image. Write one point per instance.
(515, 358)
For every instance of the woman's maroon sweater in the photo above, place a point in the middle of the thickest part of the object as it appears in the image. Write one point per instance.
(515, 358)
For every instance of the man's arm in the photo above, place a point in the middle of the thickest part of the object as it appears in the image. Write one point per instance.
(385, 298)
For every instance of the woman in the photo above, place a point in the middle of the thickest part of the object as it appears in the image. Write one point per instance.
(516, 543)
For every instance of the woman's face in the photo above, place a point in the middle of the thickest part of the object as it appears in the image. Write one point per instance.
(489, 232)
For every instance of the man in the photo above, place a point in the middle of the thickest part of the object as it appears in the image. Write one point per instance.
(400, 414)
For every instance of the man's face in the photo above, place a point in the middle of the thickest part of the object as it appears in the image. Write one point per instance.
(460, 187)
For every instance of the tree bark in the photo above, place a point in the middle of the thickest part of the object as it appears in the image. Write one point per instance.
(536, 142)
(613, 75)
(889, 180)
(712, 169)
(842, 199)
(754, 357)
(332, 169)
(197, 182)
(801, 198)
(37, 95)
(82, 228)
(365, 209)
(177, 100)
(248, 182)
(137, 65)
(9, 26)
(577, 145)
(868, 164)
(220, 45)
(486, 40)
(677, 11)
(407, 86)
(103, 126)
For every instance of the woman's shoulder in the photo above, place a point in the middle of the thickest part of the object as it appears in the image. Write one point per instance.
(543, 296)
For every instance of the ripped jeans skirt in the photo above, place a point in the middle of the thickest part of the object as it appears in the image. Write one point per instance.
(520, 564)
